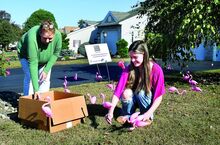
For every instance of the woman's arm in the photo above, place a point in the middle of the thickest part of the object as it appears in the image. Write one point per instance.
(152, 109)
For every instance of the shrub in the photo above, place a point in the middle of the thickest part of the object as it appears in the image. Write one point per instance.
(3, 64)
(66, 52)
(122, 46)
(82, 49)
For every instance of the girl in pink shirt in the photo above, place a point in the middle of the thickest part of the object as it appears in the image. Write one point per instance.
(141, 85)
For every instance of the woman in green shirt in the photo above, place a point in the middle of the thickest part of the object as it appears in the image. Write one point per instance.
(38, 51)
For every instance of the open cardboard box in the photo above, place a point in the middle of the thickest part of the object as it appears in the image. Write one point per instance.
(68, 109)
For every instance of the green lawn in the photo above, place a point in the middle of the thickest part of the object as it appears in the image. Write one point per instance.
(189, 119)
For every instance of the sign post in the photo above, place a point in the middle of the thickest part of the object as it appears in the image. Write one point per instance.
(98, 53)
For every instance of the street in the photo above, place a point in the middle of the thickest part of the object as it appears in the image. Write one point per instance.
(86, 74)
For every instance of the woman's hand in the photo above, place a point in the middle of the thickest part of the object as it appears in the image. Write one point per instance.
(37, 95)
(108, 118)
(43, 76)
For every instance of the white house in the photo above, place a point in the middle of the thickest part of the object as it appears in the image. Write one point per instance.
(125, 25)
(80, 36)
(115, 26)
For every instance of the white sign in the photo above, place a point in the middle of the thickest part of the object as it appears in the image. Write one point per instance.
(98, 53)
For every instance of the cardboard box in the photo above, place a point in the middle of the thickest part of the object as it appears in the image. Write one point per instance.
(68, 110)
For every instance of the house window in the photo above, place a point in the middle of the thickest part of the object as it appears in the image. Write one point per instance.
(76, 43)
(109, 19)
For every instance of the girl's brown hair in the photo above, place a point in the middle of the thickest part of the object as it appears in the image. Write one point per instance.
(139, 80)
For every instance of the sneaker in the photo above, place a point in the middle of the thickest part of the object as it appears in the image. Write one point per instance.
(122, 119)
(131, 128)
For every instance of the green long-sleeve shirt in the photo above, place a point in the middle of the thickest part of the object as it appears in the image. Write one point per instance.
(37, 53)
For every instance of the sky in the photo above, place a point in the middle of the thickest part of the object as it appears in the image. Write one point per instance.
(66, 12)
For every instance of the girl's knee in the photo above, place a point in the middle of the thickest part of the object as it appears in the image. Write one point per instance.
(127, 94)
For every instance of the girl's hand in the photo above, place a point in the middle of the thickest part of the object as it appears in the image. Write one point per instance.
(146, 116)
(108, 118)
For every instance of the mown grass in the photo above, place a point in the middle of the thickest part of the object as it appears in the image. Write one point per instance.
(16, 63)
(188, 119)
(180, 120)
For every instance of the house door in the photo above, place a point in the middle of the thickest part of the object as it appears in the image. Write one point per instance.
(111, 39)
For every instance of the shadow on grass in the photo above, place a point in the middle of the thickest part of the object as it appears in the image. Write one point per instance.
(11, 99)
(98, 110)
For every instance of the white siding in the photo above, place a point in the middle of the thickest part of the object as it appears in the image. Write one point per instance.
(81, 35)
(128, 27)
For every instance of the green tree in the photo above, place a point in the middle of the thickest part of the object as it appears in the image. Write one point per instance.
(65, 42)
(4, 15)
(9, 33)
(176, 26)
(122, 48)
(37, 17)
(82, 24)
(17, 32)
(6, 34)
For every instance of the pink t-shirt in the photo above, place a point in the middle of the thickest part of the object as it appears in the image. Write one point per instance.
(157, 82)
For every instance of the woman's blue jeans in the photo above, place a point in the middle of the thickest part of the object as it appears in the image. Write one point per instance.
(138, 100)
(27, 84)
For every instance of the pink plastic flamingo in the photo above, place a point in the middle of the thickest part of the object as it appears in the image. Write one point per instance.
(98, 77)
(105, 104)
(92, 98)
(196, 89)
(133, 117)
(7, 72)
(46, 109)
(65, 85)
(75, 77)
(192, 82)
(121, 64)
(139, 123)
(174, 89)
(186, 76)
(111, 86)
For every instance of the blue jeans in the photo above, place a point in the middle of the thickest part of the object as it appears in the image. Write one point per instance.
(139, 100)
(27, 84)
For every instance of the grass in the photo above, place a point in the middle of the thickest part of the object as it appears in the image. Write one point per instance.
(180, 120)
(16, 63)
(189, 119)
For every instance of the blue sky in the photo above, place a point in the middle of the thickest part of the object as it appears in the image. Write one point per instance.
(66, 12)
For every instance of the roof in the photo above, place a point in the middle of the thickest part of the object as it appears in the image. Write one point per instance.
(118, 17)
(68, 29)
(91, 22)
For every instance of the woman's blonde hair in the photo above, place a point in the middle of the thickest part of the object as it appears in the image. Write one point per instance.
(47, 26)
(139, 80)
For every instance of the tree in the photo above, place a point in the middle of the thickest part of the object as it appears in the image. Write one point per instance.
(122, 48)
(4, 15)
(176, 26)
(65, 42)
(82, 24)
(6, 33)
(9, 33)
(17, 32)
(37, 17)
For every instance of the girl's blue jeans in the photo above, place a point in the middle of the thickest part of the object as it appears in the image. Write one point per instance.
(138, 100)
